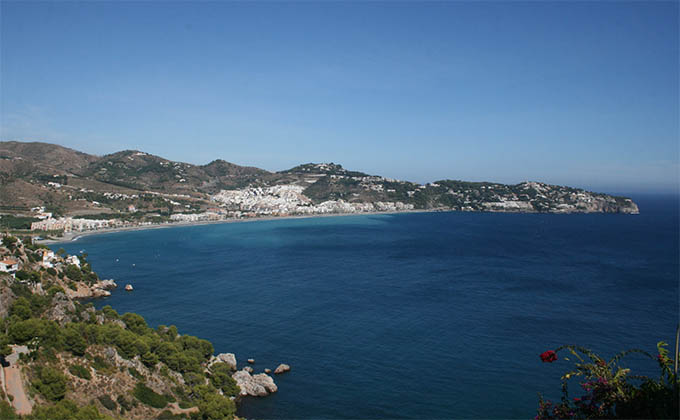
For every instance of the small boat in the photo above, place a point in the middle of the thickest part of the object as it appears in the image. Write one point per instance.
(128, 287)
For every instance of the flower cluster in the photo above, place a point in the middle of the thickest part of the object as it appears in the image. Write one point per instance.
(609, 389)
(548, 356)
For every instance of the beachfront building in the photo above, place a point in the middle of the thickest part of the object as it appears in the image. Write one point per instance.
(69, 224)
(9, 265)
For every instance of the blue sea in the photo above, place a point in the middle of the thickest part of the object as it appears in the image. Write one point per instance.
(424, 315)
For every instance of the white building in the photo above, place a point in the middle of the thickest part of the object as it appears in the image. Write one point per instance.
(47, 257)
(9, 265)
(73, 260)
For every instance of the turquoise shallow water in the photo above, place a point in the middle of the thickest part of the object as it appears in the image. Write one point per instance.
(431, 315)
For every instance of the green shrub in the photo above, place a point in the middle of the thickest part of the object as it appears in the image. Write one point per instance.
(147, 396)
(80, 371)
(53, 290)
(221, 379)
(135, 323)
(74, 273)
(21, 308)
(101, 364)
(109, 312)
(51, 271)
(167, 415)
(184, 404)
(135, 373)
(51, 383)
(22, 275)
(107, 402)
(125, 404)
(149, 359)
(74, 341)
(66, 410)
(7, 411)
(213, 406)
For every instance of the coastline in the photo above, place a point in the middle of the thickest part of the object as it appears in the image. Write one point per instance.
(74, 236)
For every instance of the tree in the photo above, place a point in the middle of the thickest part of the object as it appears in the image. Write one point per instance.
(10, 242)
(74, 341)
(51, 383)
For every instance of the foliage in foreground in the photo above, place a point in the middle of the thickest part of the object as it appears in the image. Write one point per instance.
(610, 391)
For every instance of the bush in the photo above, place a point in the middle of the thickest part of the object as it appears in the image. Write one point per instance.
(66, 410)
(135, 373)
(74, 341)
(7, 411)
(51, 383)
(125, 404)
(135, 323)
(73, 272)
(147, 396)
(213, 406)
(23, 275)
(53, 290)
(21, 308)
(610, 390)
(80, 371)
(167, 415)
(221, 379)
(101, 364)
(107, 402)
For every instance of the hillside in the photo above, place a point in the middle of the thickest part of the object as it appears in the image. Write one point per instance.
(134, 185)
(65, 359)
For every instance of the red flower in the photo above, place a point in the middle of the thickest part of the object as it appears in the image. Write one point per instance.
(549, 356)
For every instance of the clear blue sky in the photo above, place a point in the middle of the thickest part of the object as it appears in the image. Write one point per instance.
(576, 93)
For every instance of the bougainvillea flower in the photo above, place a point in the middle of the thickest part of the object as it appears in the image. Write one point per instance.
(548, 356)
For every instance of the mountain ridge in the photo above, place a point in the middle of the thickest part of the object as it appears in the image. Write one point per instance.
(70, 182)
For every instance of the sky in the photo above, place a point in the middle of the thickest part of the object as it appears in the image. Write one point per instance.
(573, 93)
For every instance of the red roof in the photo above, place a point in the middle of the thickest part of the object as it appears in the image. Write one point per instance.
(9, 261)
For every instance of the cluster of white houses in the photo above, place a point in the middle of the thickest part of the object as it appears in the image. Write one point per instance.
(69, 224)
(49, 259)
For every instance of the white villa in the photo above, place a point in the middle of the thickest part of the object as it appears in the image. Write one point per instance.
(9, 265)
(73, 259)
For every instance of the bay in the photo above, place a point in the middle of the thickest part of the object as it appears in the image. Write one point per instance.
(423, 315)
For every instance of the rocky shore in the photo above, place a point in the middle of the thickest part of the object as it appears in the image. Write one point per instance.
(115, 365)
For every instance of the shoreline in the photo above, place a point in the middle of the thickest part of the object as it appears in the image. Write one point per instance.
(74, 236)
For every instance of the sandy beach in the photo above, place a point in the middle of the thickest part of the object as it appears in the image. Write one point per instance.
(74, 236)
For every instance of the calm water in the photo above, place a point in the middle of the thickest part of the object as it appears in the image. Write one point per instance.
(406, 316)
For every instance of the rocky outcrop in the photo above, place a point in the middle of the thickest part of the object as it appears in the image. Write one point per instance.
(282, 368)
(259, 385)
(266, 381)
(228, 358)
(6, 296)
(62, 309)
(248, 369)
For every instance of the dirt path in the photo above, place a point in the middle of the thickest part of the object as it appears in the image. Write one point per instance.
(14, 386)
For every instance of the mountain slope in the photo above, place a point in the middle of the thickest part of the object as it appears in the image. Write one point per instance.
(73, 183)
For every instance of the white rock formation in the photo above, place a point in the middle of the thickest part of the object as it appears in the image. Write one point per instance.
(259, 385)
